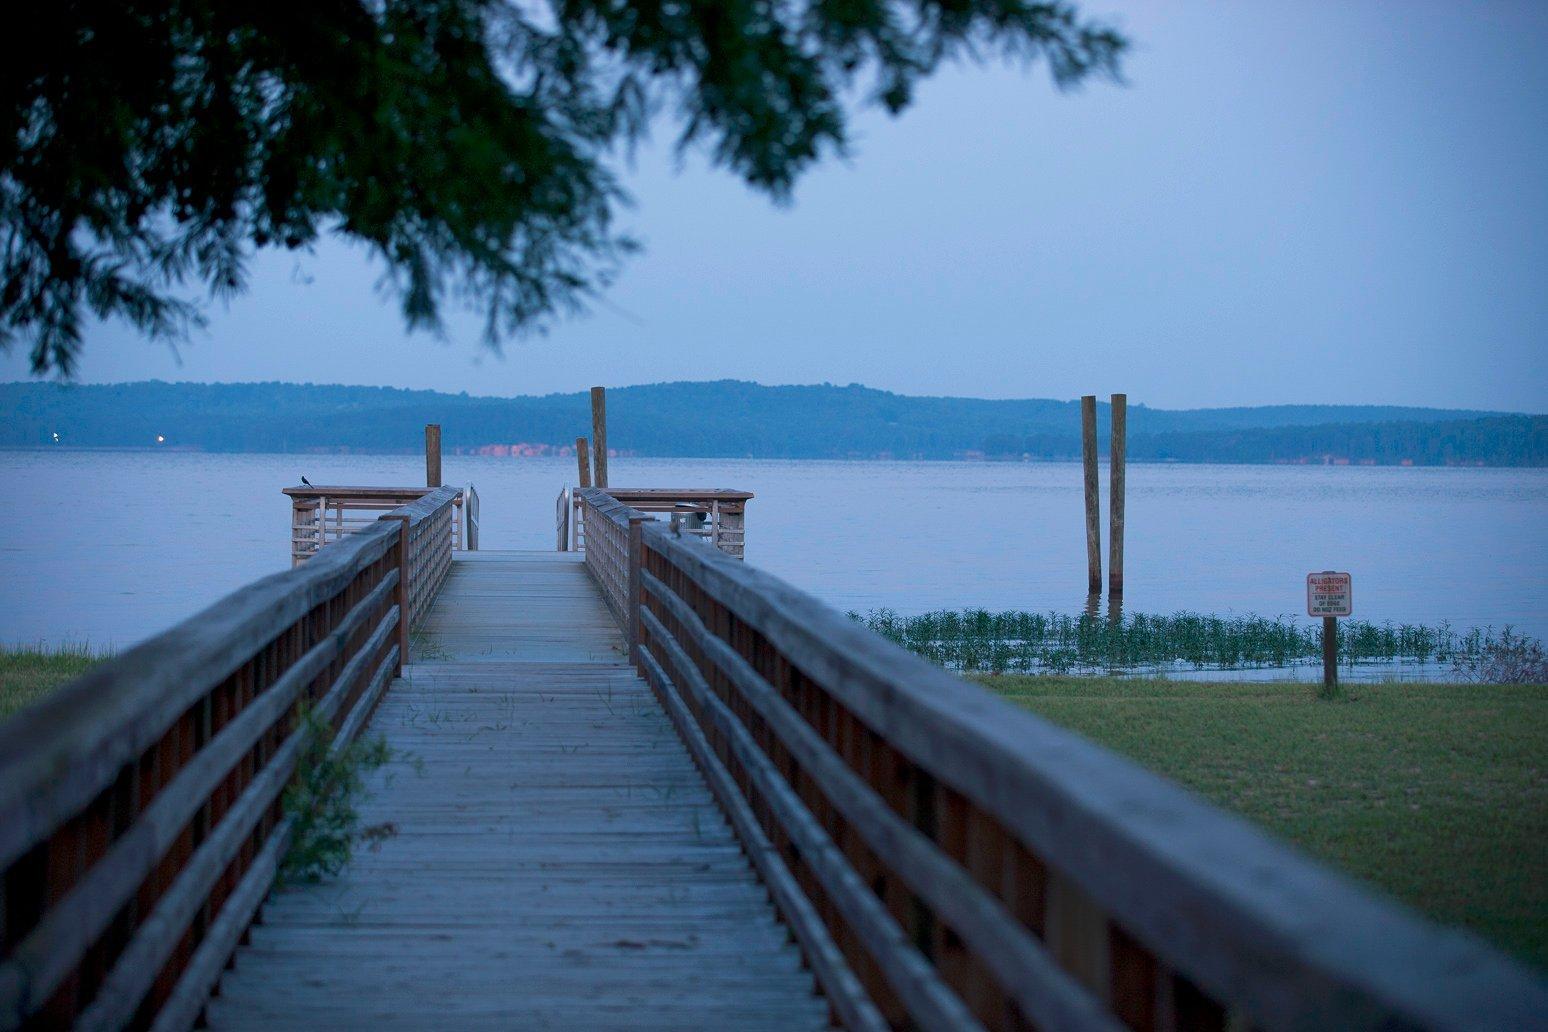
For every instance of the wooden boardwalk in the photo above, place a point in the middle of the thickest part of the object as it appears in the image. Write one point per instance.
(556, 861)
(550, 855)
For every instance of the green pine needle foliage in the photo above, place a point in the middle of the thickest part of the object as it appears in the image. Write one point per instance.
(471, 147)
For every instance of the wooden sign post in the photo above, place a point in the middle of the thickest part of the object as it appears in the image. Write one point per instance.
(1330, 595)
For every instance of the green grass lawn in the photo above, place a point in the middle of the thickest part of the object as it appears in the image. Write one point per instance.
(1436, 793)
(26, 675)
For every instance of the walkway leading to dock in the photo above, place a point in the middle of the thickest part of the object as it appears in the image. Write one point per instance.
(554, 858)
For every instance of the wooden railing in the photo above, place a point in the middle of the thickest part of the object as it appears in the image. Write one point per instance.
(607, 546)
(432, 538)
(949, 861)
(468, 539)
(562, 519)
(322, 514)
(141, 822)
(718, 515)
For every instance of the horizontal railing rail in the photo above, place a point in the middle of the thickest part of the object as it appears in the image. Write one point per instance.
(322, 514)
(608, 525)
(431, 540)
(947, 860)
(717, 514)
(141, 815)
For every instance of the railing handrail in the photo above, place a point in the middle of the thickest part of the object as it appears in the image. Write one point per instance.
(321, 513)
(637, 495)
(155, 778)
(601, 499)
(608, 525)
(58, 753)
(726, 509)
(1260, 928)
(345, 491)
(427, 504)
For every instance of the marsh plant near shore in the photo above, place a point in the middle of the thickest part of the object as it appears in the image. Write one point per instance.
(1510, 659)
(322, 801)
(1022, 642)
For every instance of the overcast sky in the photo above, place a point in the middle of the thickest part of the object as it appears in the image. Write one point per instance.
(1289, 202)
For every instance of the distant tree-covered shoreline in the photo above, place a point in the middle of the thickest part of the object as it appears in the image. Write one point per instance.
(736, 419)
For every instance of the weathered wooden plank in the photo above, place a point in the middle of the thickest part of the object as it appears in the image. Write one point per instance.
(53, 759)
(847, 996)
(1291, 943)
(553, 846)
(1046, 995)
(53, 948)
(157, 935)
(131, 877)
(931, 1004)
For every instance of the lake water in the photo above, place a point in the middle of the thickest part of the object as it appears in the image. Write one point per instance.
(107, 548)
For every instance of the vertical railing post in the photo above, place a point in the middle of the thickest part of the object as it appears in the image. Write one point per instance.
(562, 519)
(402, 594)
(470, 517)
(634, 600)
(300, 529)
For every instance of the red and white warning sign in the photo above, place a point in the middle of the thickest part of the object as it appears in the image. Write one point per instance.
(1329, 594)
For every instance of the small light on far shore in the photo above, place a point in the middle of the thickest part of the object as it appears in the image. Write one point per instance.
(160, 439)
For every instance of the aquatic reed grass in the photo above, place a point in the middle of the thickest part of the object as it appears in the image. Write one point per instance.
(1022, 642)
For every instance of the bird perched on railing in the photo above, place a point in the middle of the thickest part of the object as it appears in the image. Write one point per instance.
(305, 481)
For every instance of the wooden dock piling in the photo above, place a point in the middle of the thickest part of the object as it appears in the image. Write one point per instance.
(583, 460)
(1088, 449)
(599, 435)
(433, 455)
(1115, 465)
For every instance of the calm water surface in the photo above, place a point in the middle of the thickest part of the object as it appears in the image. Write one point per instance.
(107, 548)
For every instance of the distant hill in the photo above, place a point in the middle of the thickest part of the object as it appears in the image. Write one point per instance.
(736, 418)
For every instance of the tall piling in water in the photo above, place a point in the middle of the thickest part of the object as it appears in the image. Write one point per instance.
(1088, 450)
(599, 436)
(1115, 466)
(583, 460)
(433, 455)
